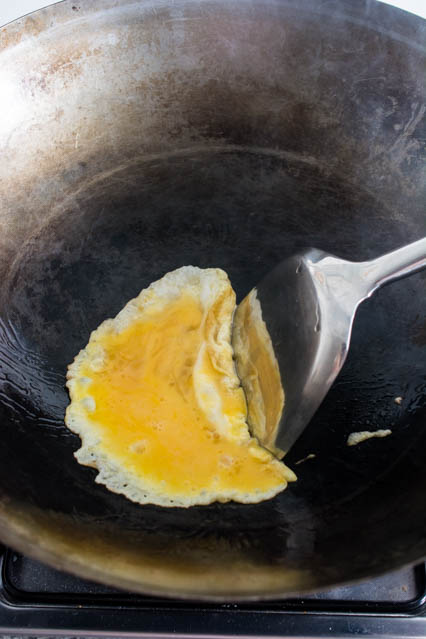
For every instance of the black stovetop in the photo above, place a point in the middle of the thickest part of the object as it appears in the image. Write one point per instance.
(36, 599)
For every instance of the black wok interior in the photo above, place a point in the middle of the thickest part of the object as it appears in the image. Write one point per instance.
(260, 188)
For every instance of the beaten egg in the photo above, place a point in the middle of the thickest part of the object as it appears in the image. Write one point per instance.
(158, 405)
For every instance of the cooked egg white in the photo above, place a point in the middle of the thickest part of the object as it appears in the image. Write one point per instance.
(357, 438)
(158, 405)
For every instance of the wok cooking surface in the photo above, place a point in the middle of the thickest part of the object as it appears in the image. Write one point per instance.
(156, 144)
(83, 268)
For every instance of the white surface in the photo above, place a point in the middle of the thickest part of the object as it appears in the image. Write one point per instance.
(11, 9)
(413, 6)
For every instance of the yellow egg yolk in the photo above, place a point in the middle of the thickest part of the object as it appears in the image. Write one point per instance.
(156, 397)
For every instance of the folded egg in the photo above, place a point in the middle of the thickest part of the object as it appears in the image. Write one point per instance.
(158, 405)
(259, 372)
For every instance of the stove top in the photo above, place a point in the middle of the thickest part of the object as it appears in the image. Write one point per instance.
(36, 599)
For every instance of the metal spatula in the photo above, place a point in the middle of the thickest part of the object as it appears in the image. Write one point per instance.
(308, 303)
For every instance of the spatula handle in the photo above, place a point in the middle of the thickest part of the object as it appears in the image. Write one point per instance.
(392, 266)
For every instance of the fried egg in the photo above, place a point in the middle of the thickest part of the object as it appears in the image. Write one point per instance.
(158, 405)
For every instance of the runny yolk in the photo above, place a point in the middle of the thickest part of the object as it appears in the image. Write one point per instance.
(149, 415)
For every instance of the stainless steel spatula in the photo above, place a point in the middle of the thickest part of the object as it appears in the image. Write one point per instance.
(308, 303)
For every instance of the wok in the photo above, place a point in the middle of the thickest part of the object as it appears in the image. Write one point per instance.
(139, 137)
